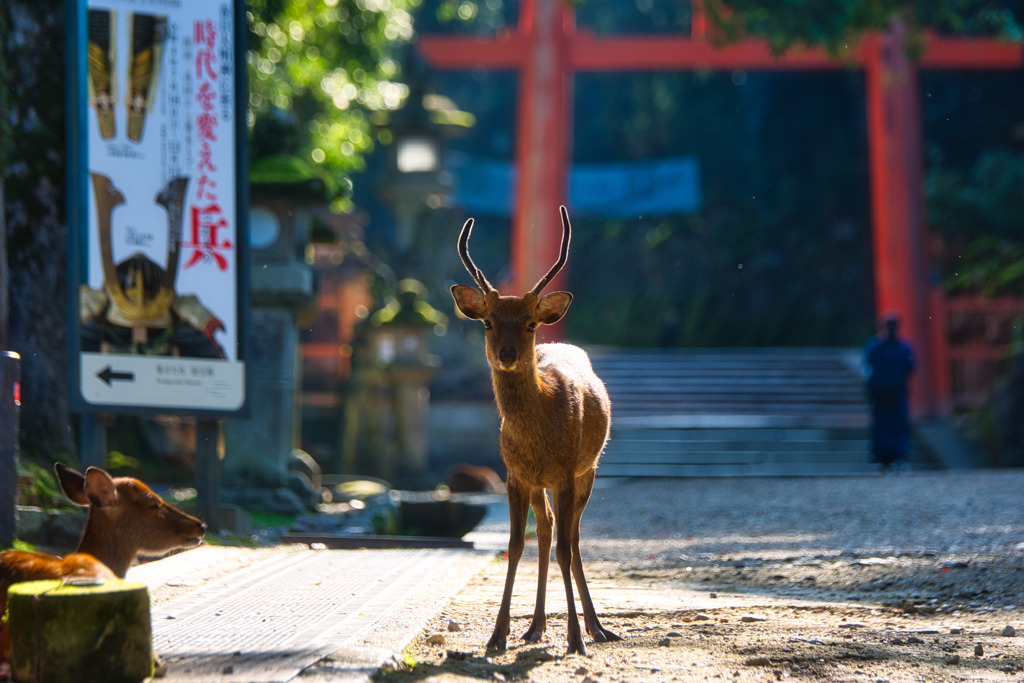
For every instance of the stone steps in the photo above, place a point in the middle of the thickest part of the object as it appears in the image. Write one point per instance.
(760, 412)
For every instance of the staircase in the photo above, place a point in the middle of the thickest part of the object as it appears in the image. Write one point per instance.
(749, 412)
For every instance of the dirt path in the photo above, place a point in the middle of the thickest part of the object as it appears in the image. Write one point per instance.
(834, 622)
(817, 592)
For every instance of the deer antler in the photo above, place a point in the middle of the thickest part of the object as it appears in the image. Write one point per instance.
(481, 281)
(563, 254)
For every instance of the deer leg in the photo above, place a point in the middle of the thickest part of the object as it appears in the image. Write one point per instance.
(545, 521)
(599, 633)
(565, 501)
(518, 499)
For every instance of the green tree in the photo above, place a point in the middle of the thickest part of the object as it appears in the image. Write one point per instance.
(835, 25)
(978, 216)
(334, 65)
(838, 26)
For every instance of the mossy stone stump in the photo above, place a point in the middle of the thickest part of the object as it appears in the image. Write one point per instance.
(80, 634)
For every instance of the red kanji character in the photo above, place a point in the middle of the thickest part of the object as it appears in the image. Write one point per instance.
(206, 158)
(206, 222)
(206, 97)
(205, 33)
(205, 187)
(204, 62)
(207, 125)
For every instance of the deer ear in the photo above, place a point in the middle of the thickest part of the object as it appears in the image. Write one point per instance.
(99, 488)
(552, 307)
(470, 302)
(72, 483)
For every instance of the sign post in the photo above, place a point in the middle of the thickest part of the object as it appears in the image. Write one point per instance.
(158, 207)
(10, 403)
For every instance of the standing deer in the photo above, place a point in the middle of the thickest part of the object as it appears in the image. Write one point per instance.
(125, 518)
(555, 417)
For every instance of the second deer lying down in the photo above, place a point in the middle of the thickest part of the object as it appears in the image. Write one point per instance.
(126, 519)
(555, 417)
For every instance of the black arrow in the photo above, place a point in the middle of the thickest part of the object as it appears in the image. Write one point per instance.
(108, 375)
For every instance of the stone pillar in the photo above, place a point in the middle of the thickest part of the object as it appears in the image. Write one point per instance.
(412, 412)
(259, 449)
(256, 464)
(283, 191)
(10, 379)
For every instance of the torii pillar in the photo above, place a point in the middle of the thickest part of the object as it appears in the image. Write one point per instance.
(898, 227)
(543, 153)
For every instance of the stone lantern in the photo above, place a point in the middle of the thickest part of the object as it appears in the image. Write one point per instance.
(386, 417)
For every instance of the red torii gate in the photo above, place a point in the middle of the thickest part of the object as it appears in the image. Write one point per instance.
(547, 48)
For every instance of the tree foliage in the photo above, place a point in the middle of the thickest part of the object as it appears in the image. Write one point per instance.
(836, 25)
(839, 25)
(978, 216)
(332, 64)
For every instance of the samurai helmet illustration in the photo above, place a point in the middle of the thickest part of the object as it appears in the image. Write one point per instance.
(140, 291)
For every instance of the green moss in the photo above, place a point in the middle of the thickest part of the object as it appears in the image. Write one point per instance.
(84, 634)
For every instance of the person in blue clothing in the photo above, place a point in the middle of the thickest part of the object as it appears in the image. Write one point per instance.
(890, 363)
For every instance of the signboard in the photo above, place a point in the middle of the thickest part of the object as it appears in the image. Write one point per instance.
(157, 203)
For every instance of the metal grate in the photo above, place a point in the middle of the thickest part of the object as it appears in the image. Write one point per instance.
(270, 619)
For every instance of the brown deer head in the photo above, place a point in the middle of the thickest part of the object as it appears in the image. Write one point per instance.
(126, 518)
(510, 322)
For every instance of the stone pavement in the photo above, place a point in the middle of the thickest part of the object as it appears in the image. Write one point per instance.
(292, 613)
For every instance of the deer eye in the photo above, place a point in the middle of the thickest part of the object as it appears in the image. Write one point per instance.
(488, 325)
(531, 327)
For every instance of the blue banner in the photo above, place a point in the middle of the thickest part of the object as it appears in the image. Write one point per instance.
(656, 187)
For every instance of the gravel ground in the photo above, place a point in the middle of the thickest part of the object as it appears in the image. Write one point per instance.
(895, 578)
(974, 511)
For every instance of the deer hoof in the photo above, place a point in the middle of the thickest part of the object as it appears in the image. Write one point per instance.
(603, 635)
(577, 648)
(533, 636)
(497, 642)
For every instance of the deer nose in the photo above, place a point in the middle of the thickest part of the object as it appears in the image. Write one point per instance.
(507, 355)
